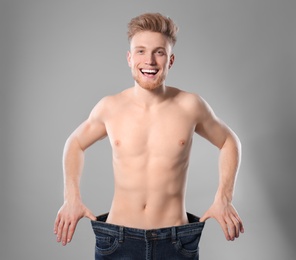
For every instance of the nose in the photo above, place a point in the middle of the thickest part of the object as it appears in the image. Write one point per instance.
(150, 59)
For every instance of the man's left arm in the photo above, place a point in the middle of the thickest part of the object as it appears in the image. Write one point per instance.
(222, 209)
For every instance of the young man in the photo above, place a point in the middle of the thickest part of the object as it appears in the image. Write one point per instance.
(150, 127)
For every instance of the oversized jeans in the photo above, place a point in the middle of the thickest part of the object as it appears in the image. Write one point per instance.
(119, 242)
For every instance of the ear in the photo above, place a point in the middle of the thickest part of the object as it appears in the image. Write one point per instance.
(172, 60)
(128, 57)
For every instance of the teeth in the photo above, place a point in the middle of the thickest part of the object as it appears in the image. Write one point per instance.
(149, 71)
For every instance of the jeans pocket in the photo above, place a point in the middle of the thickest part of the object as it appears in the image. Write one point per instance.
(106, 244)
(188, 245)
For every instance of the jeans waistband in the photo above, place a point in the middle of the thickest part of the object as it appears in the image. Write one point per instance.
(193, 227)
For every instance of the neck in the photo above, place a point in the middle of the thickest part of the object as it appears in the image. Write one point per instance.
(148, 98)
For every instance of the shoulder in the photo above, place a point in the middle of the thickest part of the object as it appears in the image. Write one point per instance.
(109, 104)
(188, 99)
(194, 105)
(112, 100)
(102, 105)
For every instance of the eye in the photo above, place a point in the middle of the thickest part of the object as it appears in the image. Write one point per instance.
(160, 53)
(140, 52)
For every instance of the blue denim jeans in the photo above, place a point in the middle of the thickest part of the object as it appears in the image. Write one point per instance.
(118, 242)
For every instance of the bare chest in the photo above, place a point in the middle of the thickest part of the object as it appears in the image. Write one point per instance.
(162, 133)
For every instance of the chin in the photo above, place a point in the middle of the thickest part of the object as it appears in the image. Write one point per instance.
(150, 85)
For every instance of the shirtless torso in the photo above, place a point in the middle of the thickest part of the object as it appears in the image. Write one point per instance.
(150, 127)
(151, 148)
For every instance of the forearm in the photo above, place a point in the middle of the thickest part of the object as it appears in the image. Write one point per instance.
(73, 161)
(229, 162)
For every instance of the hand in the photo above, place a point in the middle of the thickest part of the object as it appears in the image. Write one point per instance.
(227, 217)
(67, 219)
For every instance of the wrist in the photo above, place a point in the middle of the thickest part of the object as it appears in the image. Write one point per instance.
(223, 196)
(71, 191)
(72, 196)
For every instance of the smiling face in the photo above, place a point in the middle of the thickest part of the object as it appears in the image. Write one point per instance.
(150, 57)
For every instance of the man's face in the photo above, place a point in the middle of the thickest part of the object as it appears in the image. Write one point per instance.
(150, 58)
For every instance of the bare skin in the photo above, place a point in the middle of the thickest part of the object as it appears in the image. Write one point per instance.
(150, 127)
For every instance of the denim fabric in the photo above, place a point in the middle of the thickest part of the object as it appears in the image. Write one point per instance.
(118, 242)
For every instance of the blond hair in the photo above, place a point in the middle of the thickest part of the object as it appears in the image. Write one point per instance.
(154, 22)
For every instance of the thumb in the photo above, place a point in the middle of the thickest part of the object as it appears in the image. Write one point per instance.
(90, 215)
(205, 217)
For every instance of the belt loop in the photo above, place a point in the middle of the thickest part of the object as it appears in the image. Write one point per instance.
(121, 229)
(174, 235)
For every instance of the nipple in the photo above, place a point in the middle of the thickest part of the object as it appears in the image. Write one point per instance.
(117, 143)
(182, 142)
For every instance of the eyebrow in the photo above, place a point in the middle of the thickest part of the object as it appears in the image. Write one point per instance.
(143, 47)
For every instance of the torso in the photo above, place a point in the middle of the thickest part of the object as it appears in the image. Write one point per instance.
(151, 149)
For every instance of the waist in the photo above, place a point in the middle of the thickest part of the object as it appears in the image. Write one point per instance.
(155, 212)
(191, 228)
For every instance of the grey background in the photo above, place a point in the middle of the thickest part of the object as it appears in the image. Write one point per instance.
(58, 58)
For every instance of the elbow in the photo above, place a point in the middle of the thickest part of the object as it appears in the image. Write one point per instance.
(237, 141)
(72, 143)
(233, 142)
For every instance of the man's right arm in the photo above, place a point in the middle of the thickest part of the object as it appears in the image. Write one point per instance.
(90, 131)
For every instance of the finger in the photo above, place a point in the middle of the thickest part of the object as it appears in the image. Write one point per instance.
(65, 233)
(237, 220)
(233, 227)
(71, 231)
(56, 224)
(60, 230)
(242, 229)
(224, 227)
(204, 217)
(237, 228)
(90, 215)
